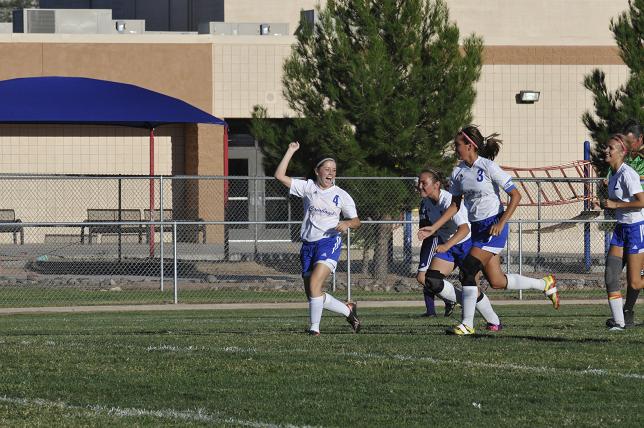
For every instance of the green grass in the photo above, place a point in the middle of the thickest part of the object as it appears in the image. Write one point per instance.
(257, 368)
(11, 297)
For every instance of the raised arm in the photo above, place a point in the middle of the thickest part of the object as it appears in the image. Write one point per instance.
(280, 172)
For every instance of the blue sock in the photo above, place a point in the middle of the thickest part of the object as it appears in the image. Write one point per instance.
(429, 303)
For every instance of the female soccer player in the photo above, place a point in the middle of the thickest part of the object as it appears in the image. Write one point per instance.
(476, 181)
(625, 196)
(635, 159)
(321, 235)
(447, 248)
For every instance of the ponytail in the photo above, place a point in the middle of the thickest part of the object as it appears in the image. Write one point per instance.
(491, 146)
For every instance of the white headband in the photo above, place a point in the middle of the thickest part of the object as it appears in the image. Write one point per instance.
(322, 162)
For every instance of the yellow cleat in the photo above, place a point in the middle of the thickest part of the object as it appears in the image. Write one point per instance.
(551, 291)
(460, 330)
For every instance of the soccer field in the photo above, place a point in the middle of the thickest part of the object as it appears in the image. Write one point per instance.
(257, 368)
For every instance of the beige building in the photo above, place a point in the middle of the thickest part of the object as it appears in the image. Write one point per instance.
(547, 46)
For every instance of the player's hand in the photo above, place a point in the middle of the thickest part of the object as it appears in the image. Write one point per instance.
(342, 227)
(496, 229)
(442, 248)
(294, 146)
(426, 232)
(609, 204)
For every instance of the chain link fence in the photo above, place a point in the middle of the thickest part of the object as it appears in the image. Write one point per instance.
(78, 240)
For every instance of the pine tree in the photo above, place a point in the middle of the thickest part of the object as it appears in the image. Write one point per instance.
(8, 6)
(613, 109)
(383, 85)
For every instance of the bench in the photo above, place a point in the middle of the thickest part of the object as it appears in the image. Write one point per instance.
(111, 215)
(182, 230)
(9, 216)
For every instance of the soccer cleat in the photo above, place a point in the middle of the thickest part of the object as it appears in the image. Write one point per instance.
(460, 330)
(312, 333)
(616, 328)
(352, 319)
(494, 327)
(449, 308)
(629, 317)
(427, 315)
(551, 291)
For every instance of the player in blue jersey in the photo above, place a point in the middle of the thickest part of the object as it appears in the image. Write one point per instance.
(446, 249)
(625, 196)
(476, 182)
(322, 228)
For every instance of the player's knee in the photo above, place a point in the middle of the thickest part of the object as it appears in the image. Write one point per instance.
(434, 282)
(612, 273)
(420, 277)
(497, 281)
(468, 271)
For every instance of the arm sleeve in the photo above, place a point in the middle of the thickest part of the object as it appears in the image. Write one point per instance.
(455, 185)
(501, 178)
(348, 207)
(632, 183)
(297, 187)
(461, 216)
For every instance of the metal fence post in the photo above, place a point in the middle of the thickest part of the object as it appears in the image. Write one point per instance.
(255, 203)
(537, 263)
(507, 249)
(520, 256)
(176, 272)
(587, 207)
(407, 240)
(161, 229)
(348, 265)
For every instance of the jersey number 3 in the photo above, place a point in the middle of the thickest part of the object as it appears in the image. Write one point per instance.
(336, 199)
(479, 176)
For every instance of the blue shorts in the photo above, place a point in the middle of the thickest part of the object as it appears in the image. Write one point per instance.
(326, 250)
(456, 254)
(630, 237)
(482, 239)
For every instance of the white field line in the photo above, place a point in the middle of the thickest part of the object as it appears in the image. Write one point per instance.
(501, 366)
(198, 415)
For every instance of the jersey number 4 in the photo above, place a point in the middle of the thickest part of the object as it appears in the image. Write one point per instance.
(336, 199)
(479, 176)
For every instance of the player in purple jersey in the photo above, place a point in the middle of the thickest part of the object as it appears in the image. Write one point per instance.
(321, 234)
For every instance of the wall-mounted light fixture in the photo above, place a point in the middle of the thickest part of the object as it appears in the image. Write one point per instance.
(527, 97)
(264, 29)
(120, 26)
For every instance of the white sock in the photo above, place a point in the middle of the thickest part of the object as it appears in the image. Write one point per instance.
(449, 292)
(470, 294)
(617, 310)
(315, 312)
(520, 282)
(334, 305)
(484, 306)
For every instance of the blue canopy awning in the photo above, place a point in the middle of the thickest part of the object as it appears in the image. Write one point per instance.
(79, 100)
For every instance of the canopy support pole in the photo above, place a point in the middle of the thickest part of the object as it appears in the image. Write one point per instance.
(152, 192)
